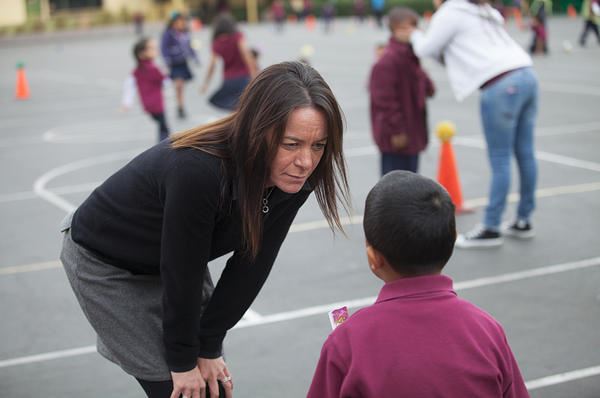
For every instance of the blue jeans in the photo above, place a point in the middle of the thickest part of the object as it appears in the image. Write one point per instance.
(508, 113)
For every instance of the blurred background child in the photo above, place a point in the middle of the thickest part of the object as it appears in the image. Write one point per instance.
(398, 88)
(149, 81)
(239, 66)
(176, 51)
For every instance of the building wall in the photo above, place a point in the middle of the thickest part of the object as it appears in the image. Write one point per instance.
(13, 12)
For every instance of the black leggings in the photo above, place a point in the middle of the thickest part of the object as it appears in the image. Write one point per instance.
(163, 389)
(163, 129)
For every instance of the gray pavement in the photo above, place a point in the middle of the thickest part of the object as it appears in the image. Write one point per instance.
(70, 136)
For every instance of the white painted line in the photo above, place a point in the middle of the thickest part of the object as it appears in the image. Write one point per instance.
(252, 315)
(562, 378)
(39, 186)
(17, 269)
(546, 156)
(48, 356)
(465, 285)
(322, 224)
(323, 309)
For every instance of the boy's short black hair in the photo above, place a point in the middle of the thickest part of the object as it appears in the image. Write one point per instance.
(410, 220)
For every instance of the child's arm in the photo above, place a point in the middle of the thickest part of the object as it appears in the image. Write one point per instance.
(330, 373)
(128, 93)
(385, 99)
(247, 57)
(209, 72)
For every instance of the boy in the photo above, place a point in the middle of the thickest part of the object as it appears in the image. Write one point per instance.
(398, 88)
(418, 339)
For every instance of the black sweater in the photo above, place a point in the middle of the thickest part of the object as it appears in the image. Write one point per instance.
(169, 212)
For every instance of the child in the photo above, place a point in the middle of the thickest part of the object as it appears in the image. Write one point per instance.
(418, 339)
(540, 37)
(239, 66)
(149, 81)
(590, 13)
(176, 50)
(398, 87)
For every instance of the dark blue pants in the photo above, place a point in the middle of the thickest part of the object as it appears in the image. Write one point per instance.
(163, 129)
(228, 95)
(396, 161)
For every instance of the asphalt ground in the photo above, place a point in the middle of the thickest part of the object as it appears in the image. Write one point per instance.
(69, 136)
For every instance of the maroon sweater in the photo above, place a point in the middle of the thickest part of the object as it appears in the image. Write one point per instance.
(398, 88)
(418, 340)
(149, 80)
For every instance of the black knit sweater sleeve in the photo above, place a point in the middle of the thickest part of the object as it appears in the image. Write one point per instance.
(243, 278)
(191, 200)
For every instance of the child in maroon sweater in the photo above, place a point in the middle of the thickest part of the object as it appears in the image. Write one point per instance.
(398, 88)
(419, 339)
(149, 81)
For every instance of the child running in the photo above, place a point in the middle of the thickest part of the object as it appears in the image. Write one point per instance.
(149, 81)
(239, 66)
(419, 339)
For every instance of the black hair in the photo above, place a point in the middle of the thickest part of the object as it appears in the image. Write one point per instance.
(224, 24)
(409, 219)
(139, 48)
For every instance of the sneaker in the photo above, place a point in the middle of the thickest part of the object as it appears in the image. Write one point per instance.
(519, 229)
(181, 113)
(479, 237)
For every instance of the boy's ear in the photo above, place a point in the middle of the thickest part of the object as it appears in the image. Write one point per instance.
(376, 260)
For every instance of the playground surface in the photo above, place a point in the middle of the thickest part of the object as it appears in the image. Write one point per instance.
(69, 136)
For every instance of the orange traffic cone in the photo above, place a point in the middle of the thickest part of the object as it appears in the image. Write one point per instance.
(448, 172)
(311, 22)
(571, 12)
(22, 91)
(518, 17)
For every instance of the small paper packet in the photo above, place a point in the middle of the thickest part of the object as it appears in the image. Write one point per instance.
(338, 316)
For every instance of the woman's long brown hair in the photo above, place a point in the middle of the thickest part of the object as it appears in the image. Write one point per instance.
(248, 140)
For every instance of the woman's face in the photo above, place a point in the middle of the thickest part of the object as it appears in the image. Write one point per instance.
(300, 151)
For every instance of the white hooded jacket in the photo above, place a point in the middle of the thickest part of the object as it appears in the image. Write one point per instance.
(473, 44)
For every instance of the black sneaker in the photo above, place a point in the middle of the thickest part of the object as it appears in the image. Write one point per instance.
(519, 229)
(181, 113)
(479, 237)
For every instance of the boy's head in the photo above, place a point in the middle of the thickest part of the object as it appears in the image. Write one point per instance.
(144, 49)
(402, 17)
(409, 226)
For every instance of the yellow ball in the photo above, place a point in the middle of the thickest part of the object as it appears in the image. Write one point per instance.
(445, 130)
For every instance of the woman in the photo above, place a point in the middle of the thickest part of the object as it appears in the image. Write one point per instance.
(470, 39)
(176, 50)
(238, 64)
(136, 251)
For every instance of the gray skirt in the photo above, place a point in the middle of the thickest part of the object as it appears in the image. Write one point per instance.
(124, 309)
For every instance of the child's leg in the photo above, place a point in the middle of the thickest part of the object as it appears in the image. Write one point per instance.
(395, 161)
(163, 129)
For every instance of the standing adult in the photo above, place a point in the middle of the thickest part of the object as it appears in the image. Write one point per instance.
(136, 250)
(469, 37)
(378, 7)
(239, 65)
(176, 50)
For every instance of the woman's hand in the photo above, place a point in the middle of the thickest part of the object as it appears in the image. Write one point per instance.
(189, 384)
(213, 370)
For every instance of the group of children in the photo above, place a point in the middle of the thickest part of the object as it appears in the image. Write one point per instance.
(239, 66)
